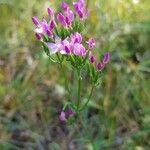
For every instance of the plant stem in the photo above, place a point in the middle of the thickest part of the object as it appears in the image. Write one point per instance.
(79, 88)
(64, 75)
(88, 99)
(66, 80)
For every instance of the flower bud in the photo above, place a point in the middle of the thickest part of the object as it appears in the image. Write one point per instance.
(61, 19)
(76, 38)
(49, 33)
(99, 66)
(50, 13)
(80, 9)
(91, 43)
(52, 25)
(79, 50)
(67, 50)
(64, 6)
(106, 58)
(35, 21)
(38, 36)
(62, 116)
(92, 59)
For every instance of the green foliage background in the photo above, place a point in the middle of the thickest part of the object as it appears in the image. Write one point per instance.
(32, 90)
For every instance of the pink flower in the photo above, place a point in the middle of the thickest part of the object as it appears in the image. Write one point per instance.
(69, 17)
(42, 27)
(62, 116)
(64, 6)
(91, 43)
(72, 45)
(61, 19)
(76, 38)
(54, 47)
(65, 115)
(80, 9)
(79, 50)
(66, 19)
(65, 47)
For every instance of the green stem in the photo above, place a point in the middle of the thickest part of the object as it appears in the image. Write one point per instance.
(64, 74)
(58, 57)
(66, 81)
(85, 105)
(79, 89)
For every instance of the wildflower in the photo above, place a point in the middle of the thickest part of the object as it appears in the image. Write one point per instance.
(79, 50)
(66, 115)
(91, 43)
(64, 6)
(75, 41)
(106, 58)
(62, 116)
(80, 9)
(66, 19)
(76, 38)
(61, 19)
(69, 17)
(65, 47)
(42, 27)
(71, 46)
(55, 46)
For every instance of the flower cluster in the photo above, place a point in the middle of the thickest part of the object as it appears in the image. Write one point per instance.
(66, 18)
(80, 9)
(69, 46)
(62, 35)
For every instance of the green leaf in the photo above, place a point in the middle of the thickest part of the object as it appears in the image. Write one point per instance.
(77, 26)
(46, 50)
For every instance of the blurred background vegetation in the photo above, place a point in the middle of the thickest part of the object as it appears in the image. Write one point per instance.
(32, 91)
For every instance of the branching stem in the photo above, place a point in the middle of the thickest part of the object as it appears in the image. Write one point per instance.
(90, 95)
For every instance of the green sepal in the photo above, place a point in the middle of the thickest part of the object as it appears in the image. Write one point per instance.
(45, 38)
(64, 33)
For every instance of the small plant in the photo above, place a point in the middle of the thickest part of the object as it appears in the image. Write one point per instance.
(62, 40)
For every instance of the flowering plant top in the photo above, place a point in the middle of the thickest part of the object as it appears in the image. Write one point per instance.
(62, 39)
